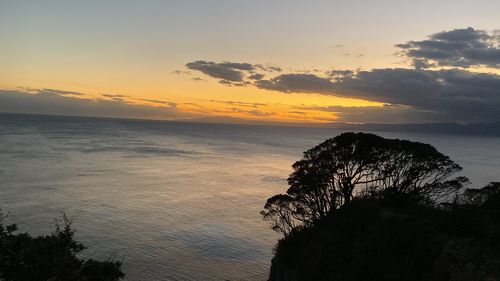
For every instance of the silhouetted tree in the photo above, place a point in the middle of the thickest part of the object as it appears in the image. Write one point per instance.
(331, 174)
(52, 257)
(375, 239)
(477, 197)
(416, 169)
(281, 212)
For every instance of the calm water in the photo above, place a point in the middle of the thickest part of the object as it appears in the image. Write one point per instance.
(175, 201)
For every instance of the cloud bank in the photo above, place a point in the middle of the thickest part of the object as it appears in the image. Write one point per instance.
(440, 87)
(58, 102)
(232, 73)
(457, 48)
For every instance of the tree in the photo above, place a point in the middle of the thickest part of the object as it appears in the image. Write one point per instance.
(282, 213)
(51, 257)
(416, 169)
(477, 197)
(334, 172)
(372, 239)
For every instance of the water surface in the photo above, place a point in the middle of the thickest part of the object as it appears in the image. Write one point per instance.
(175, 201)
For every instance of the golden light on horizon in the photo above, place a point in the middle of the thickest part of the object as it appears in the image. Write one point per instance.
(137, 52)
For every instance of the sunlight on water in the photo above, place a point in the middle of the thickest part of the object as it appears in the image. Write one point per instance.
(175, 201)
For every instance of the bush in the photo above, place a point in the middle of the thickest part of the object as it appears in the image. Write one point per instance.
(51, 257)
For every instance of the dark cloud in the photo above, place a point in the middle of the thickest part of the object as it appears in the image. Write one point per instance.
(57, 92)
(256, 76)
(179, 72)
(226, 82)
(240, 103)
(226, 71)
(423, 88)
(253, 112)
(113, 96)
(458, 48)
(235, 84)
(439, 95)
(297, 112)
(237, 65)
(438, 88)
(297, 83)
(162, 102)
(116, 97)
(378, 114)
(268, 68)
(336, 73)
(232, 73)
(452, 94)
(198, 79)
(58, 102)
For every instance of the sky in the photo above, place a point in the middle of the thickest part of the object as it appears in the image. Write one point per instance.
(281, 61)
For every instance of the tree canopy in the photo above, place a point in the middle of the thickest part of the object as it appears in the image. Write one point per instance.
(350, 165)
(50, 257)
(379, 239)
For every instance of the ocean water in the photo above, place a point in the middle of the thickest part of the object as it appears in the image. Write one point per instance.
(174, 201)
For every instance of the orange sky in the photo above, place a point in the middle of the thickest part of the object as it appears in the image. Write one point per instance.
(133, 49)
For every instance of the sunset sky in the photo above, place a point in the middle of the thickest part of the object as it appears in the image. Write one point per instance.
(245, 61)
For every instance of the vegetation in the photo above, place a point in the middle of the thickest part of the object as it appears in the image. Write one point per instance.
(52, 257)
(361, 207)
(357, 164)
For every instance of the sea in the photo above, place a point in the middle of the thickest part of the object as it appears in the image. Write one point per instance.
(172, 200)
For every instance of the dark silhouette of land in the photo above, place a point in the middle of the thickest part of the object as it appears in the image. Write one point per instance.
(361, 207)
(476, 129)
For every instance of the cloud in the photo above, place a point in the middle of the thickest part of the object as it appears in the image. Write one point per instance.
(115, 97)
(237, 65)
(457, 48)
(377, 114)
(232, 73)
(297, 83)
(235, 84)
(253, 112)
(58, 92)
(256, 76)
(439, 87)
(336, 73)
(268, 68)
(240, 103)
(456, 95)
(442, 90)
(226, 71)
(198, 79)
(444, 95)
(179, 72)
(57, 102)
(162, 102)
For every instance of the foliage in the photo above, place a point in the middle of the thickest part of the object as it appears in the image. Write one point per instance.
(51, 257)
(351, 165)
(362, 207)
(394, 239)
